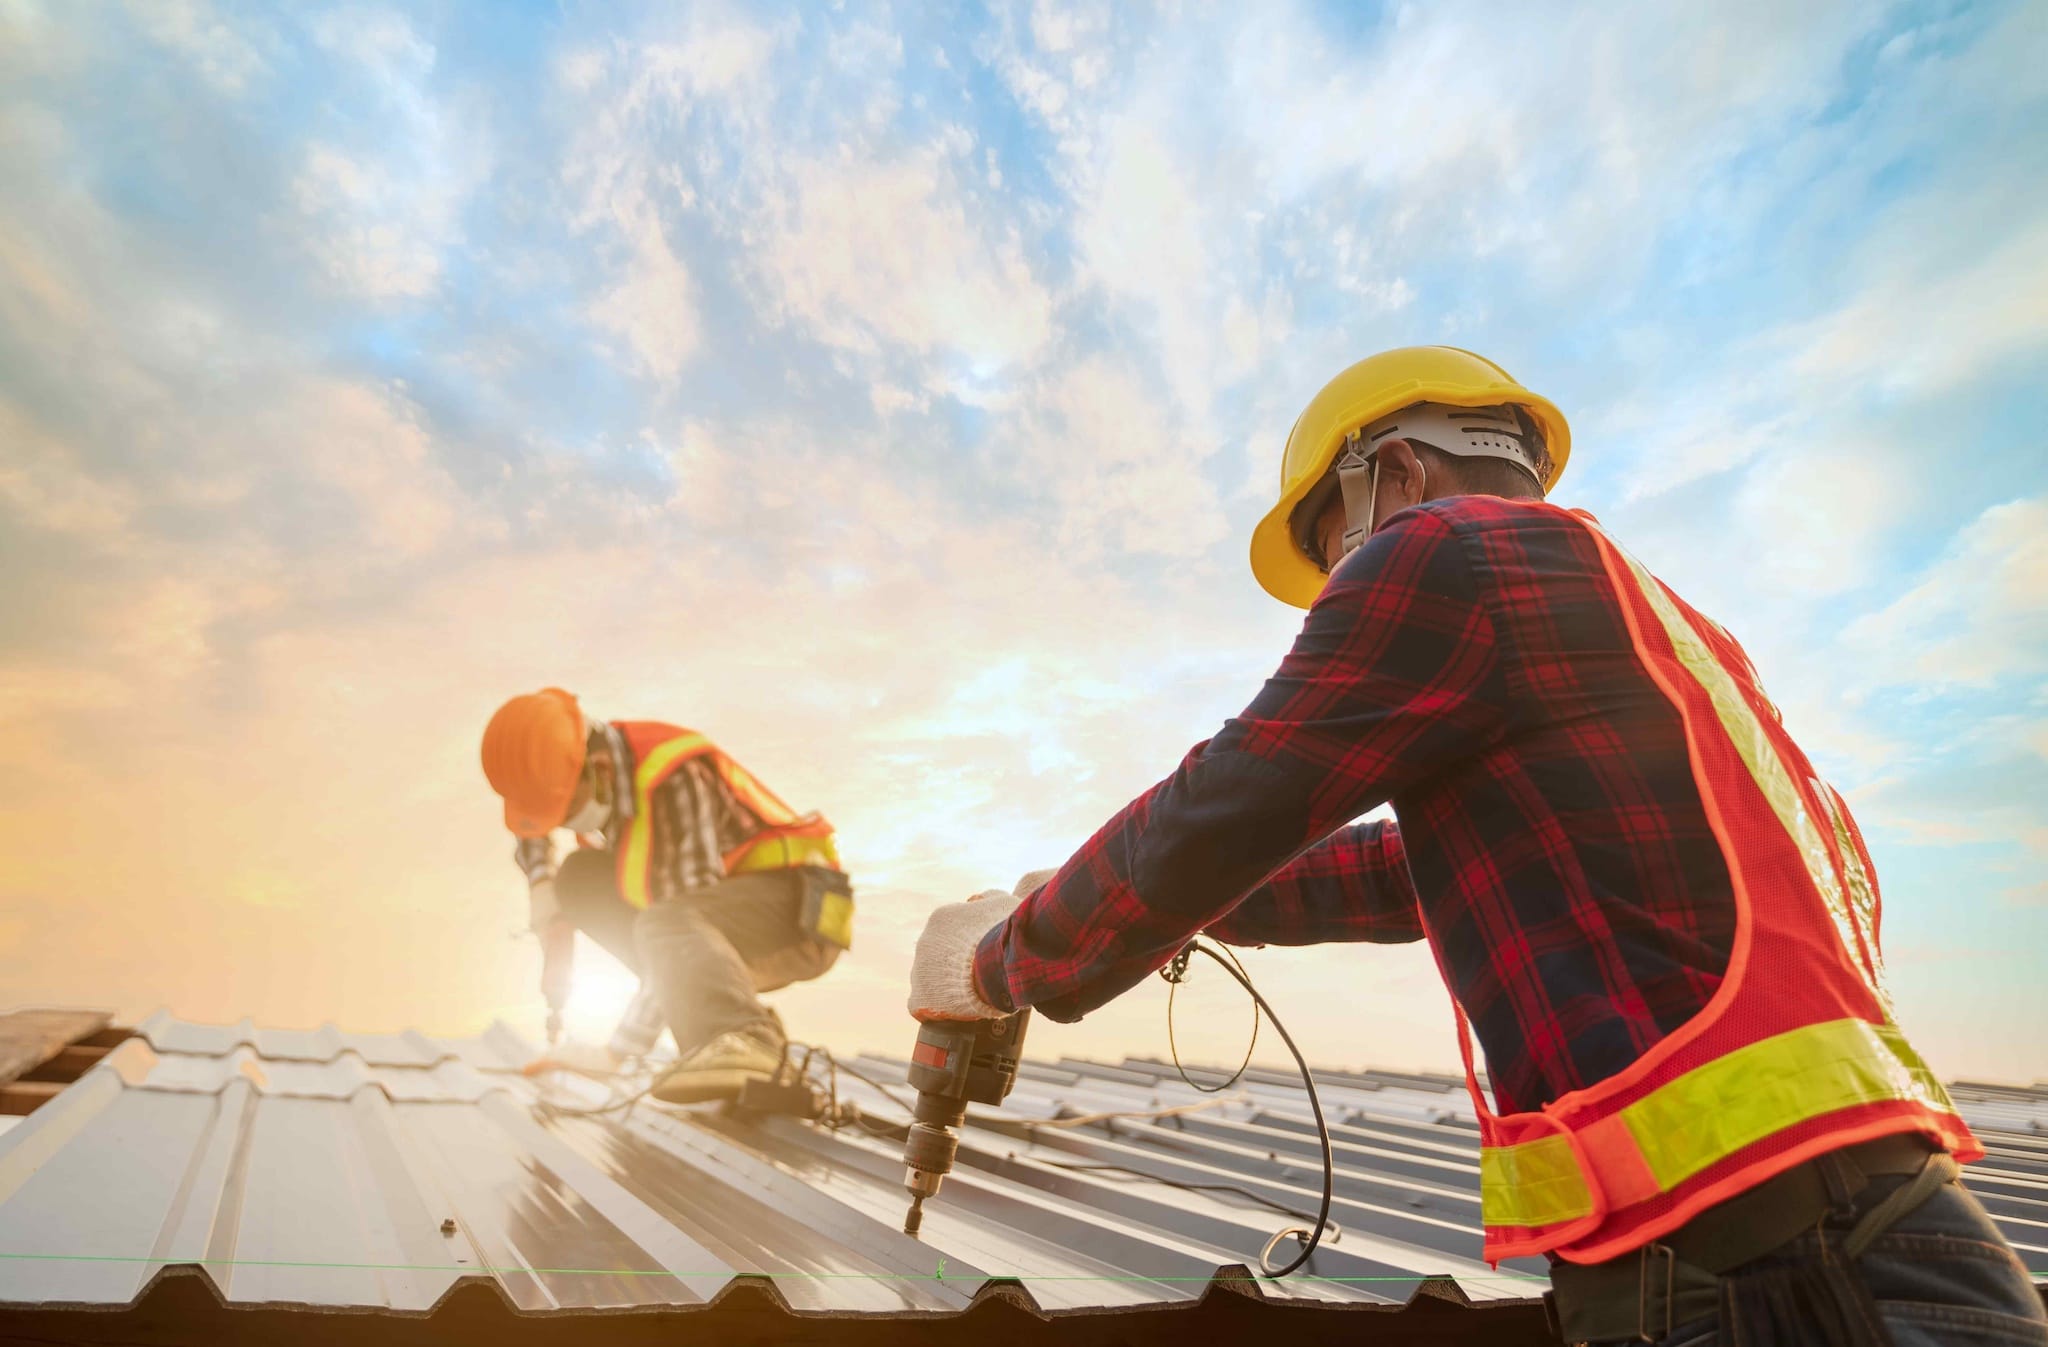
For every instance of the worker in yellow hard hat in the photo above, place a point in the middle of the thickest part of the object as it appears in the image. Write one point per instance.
(1658, 920)
(687, 868)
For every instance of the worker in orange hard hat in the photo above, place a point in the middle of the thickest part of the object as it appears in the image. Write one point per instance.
(1655, 916)
(687, 869)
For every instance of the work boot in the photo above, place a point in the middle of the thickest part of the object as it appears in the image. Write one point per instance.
(721, 1067)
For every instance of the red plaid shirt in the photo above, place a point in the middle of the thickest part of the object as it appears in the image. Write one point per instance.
(1470, 664)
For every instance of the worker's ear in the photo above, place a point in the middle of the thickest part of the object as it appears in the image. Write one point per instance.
(1403, 480)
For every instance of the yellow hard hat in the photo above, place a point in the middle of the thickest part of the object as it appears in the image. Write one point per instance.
(1375, 387)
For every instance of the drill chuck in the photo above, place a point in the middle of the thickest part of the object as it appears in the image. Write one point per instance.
(927, 1158)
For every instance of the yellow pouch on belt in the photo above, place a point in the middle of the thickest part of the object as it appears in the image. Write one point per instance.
(827, 910)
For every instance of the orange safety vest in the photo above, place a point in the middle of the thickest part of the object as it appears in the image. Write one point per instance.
(1796, 1054)
(786, 839)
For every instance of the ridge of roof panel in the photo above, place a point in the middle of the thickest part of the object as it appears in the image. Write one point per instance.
(499, 1048)
(446, 1080)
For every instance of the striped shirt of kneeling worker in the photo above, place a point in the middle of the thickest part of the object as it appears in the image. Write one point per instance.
(1658, 920)
(685, 867)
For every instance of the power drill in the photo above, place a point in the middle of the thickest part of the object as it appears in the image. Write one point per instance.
(955, 1063)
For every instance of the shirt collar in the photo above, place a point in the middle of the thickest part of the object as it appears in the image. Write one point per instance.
(622, 776)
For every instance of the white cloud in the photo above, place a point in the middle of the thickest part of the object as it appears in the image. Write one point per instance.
(1912, 331)
(382, 215)
(869, 253)
(1077, 35)
(653, 306)
(224, 57)
(714, 59)
(1115, 456)
(626, 180)
(42, 479)
(369, 445)
(371, 239)
(1814, 519)
(1916, 331)
(382, 41)
(884, 252)
(887, 398)
(1139, 224)
(1976, 616)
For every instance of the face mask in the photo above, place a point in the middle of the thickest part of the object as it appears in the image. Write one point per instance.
(591, 818)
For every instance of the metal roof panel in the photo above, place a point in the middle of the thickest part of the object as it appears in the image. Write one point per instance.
(381, 1171)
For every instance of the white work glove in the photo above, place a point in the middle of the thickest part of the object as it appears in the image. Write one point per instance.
(942, 969)
(545, 910)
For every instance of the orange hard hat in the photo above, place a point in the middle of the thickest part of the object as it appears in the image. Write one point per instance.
(533, 755)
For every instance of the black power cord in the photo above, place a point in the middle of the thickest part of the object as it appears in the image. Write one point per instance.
(1178, 970)
(1127, 1172)
(1176, 973)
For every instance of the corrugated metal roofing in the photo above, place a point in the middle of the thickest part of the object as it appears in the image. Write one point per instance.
(364, 1171)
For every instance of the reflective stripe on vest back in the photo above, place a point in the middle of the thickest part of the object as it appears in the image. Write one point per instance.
(1799, 1059)
(1710, 1112)
(786, 840)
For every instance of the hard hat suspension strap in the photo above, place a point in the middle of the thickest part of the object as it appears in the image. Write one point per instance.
(1358, 477)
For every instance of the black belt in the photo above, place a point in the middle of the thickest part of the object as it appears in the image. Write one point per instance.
(1642, 1296)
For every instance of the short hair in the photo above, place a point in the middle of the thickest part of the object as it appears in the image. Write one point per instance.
(1474, 475)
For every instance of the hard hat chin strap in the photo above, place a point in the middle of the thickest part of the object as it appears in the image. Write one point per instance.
(1358, 477)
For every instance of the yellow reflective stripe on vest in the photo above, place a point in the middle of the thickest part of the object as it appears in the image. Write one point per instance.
(1862, 890)
(1739, 722)
(1537, 1183)
(1744, 1096)
(1714, 1110)
(640, 832)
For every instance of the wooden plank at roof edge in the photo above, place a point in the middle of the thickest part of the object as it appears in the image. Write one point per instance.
(67, 1065)
(28, 1038)
(26, 1096)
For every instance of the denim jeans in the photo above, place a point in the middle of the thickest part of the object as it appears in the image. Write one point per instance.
(1943, 1276)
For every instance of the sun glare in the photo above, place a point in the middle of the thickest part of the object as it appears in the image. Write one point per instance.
(599, 996)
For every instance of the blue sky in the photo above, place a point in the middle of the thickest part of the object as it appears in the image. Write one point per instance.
(891, 394)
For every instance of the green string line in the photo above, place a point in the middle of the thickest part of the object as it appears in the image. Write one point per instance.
(722, 1272)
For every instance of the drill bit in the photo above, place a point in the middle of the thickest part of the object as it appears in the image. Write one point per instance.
(915, 1217)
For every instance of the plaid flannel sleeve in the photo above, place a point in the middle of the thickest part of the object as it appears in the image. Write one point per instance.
(1393, 678)
(1352, 885)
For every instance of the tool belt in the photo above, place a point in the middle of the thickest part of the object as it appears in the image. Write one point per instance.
(1644, 1296)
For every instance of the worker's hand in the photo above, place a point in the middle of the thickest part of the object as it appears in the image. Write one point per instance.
(942, 969)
